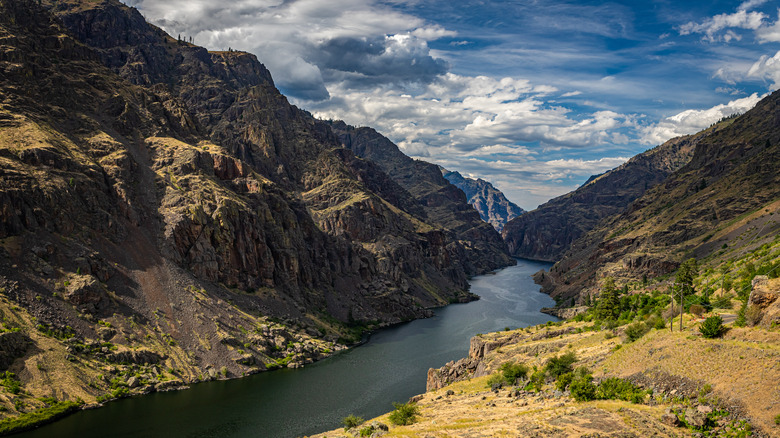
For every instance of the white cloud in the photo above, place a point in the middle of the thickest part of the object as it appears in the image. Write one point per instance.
(767, 68)
(375, 40)
(750, 4)
(770, 33)
(692, 121)
(742, 19)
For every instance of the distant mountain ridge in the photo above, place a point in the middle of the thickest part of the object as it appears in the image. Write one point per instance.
(722, 204)
(492, 205)
(547, 232)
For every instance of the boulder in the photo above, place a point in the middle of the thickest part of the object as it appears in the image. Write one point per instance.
(86, 293)
(12, 345)
(695, 418)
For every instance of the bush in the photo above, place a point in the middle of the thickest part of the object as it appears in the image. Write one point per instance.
(562, 364)
(513, 371)
(696, 309)
(635, 331)
(351, 421)
(404, 414)
(741, 320)
(659, 323)
(582, 388)
(712, 327)
(11, 383)
(564, 380)
(508, 373)
(537, 380)
(614, 388)
(777, 419)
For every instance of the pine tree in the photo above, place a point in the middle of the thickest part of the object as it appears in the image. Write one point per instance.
(609, 304)
(685, 274)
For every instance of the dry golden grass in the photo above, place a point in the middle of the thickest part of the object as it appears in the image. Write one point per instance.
(742, 368)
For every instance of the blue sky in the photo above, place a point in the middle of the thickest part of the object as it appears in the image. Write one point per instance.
(534, 96)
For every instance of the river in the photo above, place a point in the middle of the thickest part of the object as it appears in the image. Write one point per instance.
(390, 367)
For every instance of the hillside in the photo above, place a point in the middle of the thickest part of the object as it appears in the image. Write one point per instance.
(444, 204)
(719, 206)
(493, 207)
(672, 384)
(547, 232)
(168, 217)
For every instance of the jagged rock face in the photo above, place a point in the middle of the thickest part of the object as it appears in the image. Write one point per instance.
(493, 207)
(475, 243)
(157, 195)
(548, 231)
(693, 212)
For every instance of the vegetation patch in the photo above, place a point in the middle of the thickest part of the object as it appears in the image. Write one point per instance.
(31, 420)
(404, 414)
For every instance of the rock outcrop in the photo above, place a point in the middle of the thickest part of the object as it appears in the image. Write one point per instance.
(492, 205)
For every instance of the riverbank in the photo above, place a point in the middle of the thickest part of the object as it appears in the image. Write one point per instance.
(296, 402)
(665, 384)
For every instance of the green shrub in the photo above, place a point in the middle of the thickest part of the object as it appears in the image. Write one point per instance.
(582, 388)
(563, 381)
(513, 371)
(614, 388)
(11, 383)
(659, 323)
(635, 331)
(562, 364)
(536, 381)
(495, 378)
(741, 319)
(404, 414)
(777, 419)
(351, 421)
(712, 327)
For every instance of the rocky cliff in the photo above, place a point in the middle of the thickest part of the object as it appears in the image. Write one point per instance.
(159, 197)
(720, 205)
(493, 207)
(479, 245)
(548, 231)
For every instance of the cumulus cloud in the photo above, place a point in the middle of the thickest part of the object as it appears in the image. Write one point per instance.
(711, 27)
(767, 68)
(364, 61)
(770, 33)
(308, 43)
(692, 121)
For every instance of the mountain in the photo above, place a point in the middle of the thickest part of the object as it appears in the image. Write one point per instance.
(547, 232)
(168, 215)
(717, 208)
(493, 207)
(444, 204)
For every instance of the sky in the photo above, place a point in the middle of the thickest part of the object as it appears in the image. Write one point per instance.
(533, 96)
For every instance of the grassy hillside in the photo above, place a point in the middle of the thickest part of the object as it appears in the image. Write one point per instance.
(734, 379)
